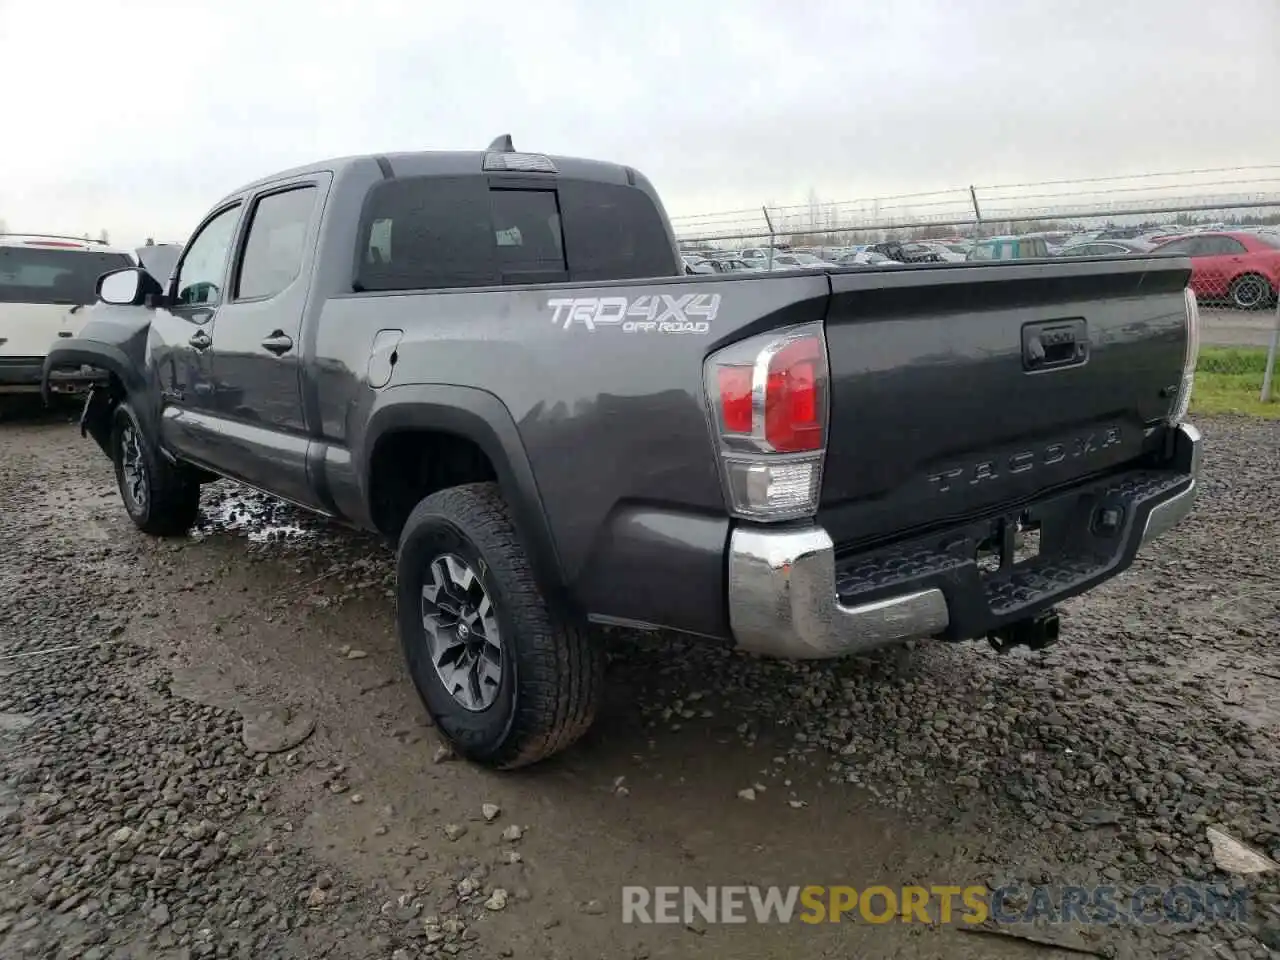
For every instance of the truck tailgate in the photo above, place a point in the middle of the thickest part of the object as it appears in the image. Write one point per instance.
(960, 388)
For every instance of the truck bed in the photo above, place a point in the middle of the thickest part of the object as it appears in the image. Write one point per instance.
(935, 417)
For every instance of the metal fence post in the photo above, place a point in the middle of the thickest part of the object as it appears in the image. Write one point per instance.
(768, 223)
(977, 212)
(1271, 355)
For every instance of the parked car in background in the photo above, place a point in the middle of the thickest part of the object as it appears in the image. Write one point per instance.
(865, 258)
(792, 261)
(159, 259)
(1105, 248)
(1163, 233)
(45, 284)
(1239, 268)
(1119, 233)
(1009, 248)
(946, 254)
(717, 266)
(910, 252)
(1082, 237)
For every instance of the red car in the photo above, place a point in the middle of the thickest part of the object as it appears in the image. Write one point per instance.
(1240, 268)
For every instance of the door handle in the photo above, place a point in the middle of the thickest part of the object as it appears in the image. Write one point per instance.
(278, 343)
(1049, 344)
(200, 340)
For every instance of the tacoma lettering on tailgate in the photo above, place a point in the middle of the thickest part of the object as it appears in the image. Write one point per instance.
(1024, 460)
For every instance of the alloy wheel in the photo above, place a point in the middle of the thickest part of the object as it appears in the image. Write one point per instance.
(133, 468)
(462, 632)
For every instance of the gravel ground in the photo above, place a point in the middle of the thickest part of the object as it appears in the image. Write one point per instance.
(209, 748)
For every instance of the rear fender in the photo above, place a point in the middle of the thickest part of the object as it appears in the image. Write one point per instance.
(479, 416)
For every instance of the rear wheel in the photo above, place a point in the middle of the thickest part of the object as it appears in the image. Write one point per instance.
(506, 680)
(1250, 292)
(160, 499)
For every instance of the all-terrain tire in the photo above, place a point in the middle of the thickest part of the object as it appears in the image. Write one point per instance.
(160, 499)
(552, 672)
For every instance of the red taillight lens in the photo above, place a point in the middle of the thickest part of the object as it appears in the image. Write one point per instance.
(768, 403)
(793, 419)
(735, 398)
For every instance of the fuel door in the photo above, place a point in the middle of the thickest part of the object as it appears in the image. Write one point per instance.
(382, 357)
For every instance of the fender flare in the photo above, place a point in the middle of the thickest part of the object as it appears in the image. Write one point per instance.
(471, 413)
(96, 354)
(111, 358)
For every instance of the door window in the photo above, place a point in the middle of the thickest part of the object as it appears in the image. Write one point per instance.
(277, 236)
(204, 265)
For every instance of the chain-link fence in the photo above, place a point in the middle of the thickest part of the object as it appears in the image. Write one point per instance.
(1226, 220)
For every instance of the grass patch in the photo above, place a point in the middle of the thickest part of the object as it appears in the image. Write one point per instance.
(1232, 360)
(1229, 380)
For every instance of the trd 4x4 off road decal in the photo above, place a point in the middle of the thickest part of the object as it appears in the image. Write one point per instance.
(660, 313)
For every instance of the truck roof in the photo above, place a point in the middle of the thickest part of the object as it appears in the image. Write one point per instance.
(455, 163)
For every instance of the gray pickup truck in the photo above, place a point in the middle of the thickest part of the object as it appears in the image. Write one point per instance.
(496, 360)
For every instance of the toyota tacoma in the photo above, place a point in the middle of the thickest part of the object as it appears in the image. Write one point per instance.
(496, 360)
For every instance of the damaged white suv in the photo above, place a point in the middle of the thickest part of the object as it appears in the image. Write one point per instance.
(45, 284)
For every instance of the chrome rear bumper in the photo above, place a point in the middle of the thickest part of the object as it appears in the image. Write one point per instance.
(783, 598)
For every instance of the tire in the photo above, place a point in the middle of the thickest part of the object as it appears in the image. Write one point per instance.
(549, 674)
(1251, 291)
(160, 500)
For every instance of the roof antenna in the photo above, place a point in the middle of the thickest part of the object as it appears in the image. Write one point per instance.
(503, 144)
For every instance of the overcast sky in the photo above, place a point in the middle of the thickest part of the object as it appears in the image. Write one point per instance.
(137, 116)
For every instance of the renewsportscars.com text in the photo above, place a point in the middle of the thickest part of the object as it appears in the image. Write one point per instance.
(974, 904)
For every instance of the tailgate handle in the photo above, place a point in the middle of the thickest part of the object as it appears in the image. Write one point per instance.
(1050, 344)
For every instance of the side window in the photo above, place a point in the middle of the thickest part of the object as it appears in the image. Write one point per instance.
(526, 230)
(204, 264)
(1182, 247)
(273, 252)
(1224, 246)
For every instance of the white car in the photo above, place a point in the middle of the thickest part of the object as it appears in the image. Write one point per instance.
(867, 258)
(793, 261)
(45, 284)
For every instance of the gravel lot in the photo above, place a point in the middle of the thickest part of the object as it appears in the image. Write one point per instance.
(208, 748)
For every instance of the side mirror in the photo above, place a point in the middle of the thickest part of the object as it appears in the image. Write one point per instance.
(129, 287)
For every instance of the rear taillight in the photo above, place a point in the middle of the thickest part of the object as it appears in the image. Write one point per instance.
(1182, 401)
(768, 402)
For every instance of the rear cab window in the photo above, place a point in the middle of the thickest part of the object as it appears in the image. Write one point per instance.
(434, 232)
(47, 275)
